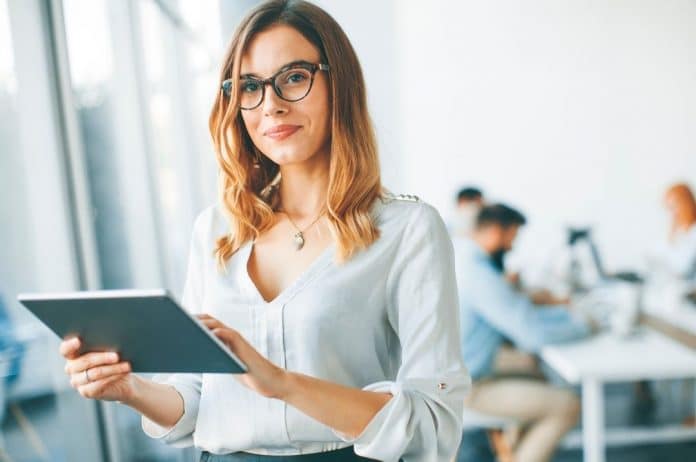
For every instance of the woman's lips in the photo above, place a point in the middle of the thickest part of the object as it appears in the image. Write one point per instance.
(280, 132)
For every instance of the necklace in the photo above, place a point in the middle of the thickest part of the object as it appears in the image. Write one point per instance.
(298, 237)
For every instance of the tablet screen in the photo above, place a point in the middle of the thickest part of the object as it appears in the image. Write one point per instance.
(146, 327)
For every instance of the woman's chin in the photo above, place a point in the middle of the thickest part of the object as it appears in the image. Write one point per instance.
(289, 158)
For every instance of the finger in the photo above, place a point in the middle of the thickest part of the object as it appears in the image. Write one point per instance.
(205, 319)
(205, 316)
(90, 360)
(94, 390)
(239, 346)
(212, 323)
(230, 336)
(69, 347)
(99, 373)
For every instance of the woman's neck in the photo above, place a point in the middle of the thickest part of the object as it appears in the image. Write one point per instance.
(303, 187)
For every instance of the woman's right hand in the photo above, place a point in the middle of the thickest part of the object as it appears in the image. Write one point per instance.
(97, 375)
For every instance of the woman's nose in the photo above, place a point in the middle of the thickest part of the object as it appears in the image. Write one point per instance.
(273, 104)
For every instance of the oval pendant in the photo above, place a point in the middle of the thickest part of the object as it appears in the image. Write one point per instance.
(299, 240)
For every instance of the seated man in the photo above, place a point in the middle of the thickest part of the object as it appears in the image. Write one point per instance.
(492, 311)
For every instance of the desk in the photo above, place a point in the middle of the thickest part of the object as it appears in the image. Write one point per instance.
(669, 304)
(648, 355)
(678, 321)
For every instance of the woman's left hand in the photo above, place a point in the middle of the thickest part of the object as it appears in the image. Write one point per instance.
(262, 376)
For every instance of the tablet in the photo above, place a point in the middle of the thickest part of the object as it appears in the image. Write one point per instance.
(146, 327)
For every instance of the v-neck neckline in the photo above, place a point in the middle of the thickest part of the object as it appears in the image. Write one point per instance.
(287, 292)
(318, 264)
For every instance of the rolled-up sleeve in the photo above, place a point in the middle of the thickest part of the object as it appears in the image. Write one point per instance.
(422, 421)
(187, 385)
(181, 434)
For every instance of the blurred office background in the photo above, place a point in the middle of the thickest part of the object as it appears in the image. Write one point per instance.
(580, 113)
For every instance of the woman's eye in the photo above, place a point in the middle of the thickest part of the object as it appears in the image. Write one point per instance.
(250, 87)
(295, 77)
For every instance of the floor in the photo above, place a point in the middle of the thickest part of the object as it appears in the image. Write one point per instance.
(674, 402)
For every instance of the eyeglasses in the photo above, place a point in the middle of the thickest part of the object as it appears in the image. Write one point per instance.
(291, 83)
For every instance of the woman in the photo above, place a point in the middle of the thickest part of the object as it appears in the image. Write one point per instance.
(340, 299)
(679, 256)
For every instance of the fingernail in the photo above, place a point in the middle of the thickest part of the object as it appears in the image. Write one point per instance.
(113, 356)
(74, 341)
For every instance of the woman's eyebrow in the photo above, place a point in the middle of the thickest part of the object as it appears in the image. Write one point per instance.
(280, 69)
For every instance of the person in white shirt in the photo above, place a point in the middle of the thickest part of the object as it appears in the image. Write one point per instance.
(340, 298)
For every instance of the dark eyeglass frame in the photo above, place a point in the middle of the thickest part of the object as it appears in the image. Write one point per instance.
(227, 85)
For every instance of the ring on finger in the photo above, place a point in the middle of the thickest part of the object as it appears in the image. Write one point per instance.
(87, 379)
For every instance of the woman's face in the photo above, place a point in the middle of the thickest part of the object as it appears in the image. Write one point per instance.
(286, 132)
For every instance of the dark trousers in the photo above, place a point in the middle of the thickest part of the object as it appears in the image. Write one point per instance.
(342, 455)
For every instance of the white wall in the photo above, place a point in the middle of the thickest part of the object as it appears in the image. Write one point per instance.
(371, 28)
(577, 112)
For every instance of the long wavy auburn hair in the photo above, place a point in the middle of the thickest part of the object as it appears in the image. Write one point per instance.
(248, 178)
(684, 215)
